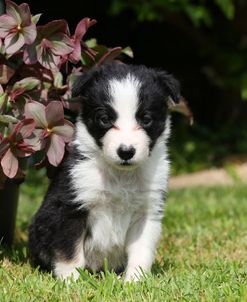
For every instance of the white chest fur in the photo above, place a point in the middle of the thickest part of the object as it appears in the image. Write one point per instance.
(116, 200)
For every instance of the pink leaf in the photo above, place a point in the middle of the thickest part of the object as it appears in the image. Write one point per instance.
(9, 164)
(54, 113)
(45, 44)
(47, 59)
(7, 23)
(55, 151)
(53, 27)
(25, 128)
(82, 27)
(80, 31)
(66, 131)
(23, 149)
(35, 140)
(61, 44)
(29, 33)
(13, 42)
(30, 54)
(12, 9)
(181, 107)
(75, 56)
(36, 111)
(25, 14)
(110, 55)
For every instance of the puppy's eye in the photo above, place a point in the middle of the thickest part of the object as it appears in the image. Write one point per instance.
(104, 121)
(146, 120)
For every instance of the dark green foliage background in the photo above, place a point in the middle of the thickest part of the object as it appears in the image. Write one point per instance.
(204, 43)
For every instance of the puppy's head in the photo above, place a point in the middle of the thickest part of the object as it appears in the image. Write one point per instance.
(124, 109)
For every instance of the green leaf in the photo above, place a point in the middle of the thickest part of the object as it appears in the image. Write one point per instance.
(227, 7)
(128, 51)
(91, 43)
(244, 93)
(199, 14)
(58, 80)
(26, 84)
(35, 18)
(3, 101)
(6, 119)
(6, 73)
(86, 59)
(244, 87)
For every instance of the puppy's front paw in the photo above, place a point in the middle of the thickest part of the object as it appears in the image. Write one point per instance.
(134, 275)
(66, 272)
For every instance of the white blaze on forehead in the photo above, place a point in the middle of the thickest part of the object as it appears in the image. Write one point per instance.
(124, 94)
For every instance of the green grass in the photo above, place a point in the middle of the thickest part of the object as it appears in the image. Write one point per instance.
(201, 256)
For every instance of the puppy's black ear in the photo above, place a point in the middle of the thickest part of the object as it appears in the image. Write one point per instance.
(82, 83)
(175, 101)
(170, 85)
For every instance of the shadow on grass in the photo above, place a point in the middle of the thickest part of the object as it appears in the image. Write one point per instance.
(160, 268)
(16, 254)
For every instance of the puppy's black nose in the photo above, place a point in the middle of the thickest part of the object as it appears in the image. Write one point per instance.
(126, 152)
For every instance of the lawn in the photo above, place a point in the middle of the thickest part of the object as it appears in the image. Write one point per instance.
(201, 256)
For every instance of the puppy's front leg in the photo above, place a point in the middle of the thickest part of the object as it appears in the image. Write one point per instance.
(65, 268)
(141, 244)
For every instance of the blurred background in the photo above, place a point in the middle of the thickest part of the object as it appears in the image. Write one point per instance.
(203, 43)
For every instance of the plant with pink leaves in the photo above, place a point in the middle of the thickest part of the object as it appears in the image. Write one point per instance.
(17, 27)
(38, 65)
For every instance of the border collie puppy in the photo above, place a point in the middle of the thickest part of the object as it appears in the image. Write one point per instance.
(106, 200)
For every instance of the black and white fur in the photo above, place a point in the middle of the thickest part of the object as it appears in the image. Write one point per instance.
(106, 201)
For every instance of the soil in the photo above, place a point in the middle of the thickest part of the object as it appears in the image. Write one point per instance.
(212, 177)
